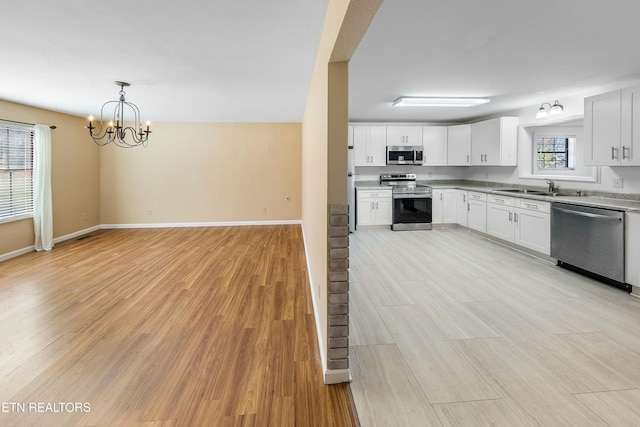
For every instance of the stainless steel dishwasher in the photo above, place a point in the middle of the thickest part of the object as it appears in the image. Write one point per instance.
(591, 239)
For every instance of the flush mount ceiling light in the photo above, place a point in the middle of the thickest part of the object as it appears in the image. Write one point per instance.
(116, 131)
(554, 109)
(428, 101)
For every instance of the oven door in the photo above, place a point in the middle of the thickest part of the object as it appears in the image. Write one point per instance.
(411, 212)
(400, 156)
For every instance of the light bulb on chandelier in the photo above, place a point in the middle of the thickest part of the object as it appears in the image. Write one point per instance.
(120, 134)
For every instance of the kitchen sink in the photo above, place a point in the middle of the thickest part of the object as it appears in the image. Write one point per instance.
(522, 191)
(527, 191)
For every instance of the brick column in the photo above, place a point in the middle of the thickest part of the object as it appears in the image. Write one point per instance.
(338, 258)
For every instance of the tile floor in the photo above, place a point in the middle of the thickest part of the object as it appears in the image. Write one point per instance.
(451, 329)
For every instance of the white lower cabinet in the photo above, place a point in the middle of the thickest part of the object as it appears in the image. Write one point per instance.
(443, 206)
(524, 222)
(632, 251)
(461, 207)
(374, 207)
(477, 211)
(500, 217)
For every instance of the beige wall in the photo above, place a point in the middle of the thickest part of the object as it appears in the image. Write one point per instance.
(204, 172)
(324, 140)
(74, 177)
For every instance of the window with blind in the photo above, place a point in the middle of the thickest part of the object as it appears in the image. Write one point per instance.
(16, 172)
(555, 152)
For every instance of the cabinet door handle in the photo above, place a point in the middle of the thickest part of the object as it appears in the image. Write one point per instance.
(510, 216)
(464, 198)
(626, 153)
(614, 153)
(467, 158)
(376, 205)
(440, 196)
(530, 206)
(515, 217)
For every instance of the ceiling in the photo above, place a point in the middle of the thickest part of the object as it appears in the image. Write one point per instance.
(517, 53)
(187, 60)
(252, 60)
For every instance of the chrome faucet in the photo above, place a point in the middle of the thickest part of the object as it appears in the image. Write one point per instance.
(551, 186)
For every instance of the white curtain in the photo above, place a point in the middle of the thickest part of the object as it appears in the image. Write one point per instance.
(42, 210)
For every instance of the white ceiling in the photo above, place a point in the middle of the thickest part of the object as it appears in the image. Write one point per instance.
(187, 60)
(517, 53)
(251, 60)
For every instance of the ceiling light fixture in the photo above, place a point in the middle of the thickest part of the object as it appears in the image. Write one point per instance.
(116, 131)
(554, 109)
(426, 101)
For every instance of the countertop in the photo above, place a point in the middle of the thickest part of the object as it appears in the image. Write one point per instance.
(593, 201)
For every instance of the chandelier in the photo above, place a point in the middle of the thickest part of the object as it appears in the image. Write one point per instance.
(116, 131)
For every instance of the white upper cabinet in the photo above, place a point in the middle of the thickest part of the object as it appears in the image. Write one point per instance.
(612, 128)
(459, 145)
(369, 144)
(495, 142)
(630, 148)
(602, 126)
(404, 135)
(434, 144)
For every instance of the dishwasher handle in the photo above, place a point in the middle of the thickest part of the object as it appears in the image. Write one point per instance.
(590, 215)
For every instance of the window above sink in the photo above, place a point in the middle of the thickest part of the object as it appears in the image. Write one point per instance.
(555, 151)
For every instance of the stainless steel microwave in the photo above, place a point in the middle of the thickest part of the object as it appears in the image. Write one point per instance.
(405, 155)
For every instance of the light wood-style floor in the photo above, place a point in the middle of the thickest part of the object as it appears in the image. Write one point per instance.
(450, 329)
(165, 327)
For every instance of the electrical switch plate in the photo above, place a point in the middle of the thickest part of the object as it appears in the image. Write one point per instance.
(617, 183)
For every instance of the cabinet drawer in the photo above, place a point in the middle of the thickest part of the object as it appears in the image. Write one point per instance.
(533, 205)
(373, 194)
(501, 200)
(473, 195)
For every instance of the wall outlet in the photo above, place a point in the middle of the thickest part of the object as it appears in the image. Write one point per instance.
(264, 209)
(149, 212)
(84, 216)
(617, 183)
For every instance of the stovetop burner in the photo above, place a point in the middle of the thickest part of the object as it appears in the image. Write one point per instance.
(405, 184)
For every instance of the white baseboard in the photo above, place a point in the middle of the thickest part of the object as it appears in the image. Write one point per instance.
(202, 224)
(17, 253)
(323, 355)
(4, 257)
(337, 376)
(76, 234)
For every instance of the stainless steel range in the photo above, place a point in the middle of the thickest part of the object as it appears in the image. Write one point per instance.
(411, 202)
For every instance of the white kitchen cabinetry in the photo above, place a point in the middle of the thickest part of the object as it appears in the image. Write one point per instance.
(495, 142)
(500, 217)
(524, 222)
(404, 135)
(632, 251)
(369, 144)
(434, 144)
(612, 128)
(374, 207)
(462, 207)
(477, 211)
(533, 225)
(443, 206)
(459, 145)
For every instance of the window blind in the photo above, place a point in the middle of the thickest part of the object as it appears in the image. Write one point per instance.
(16, 172)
